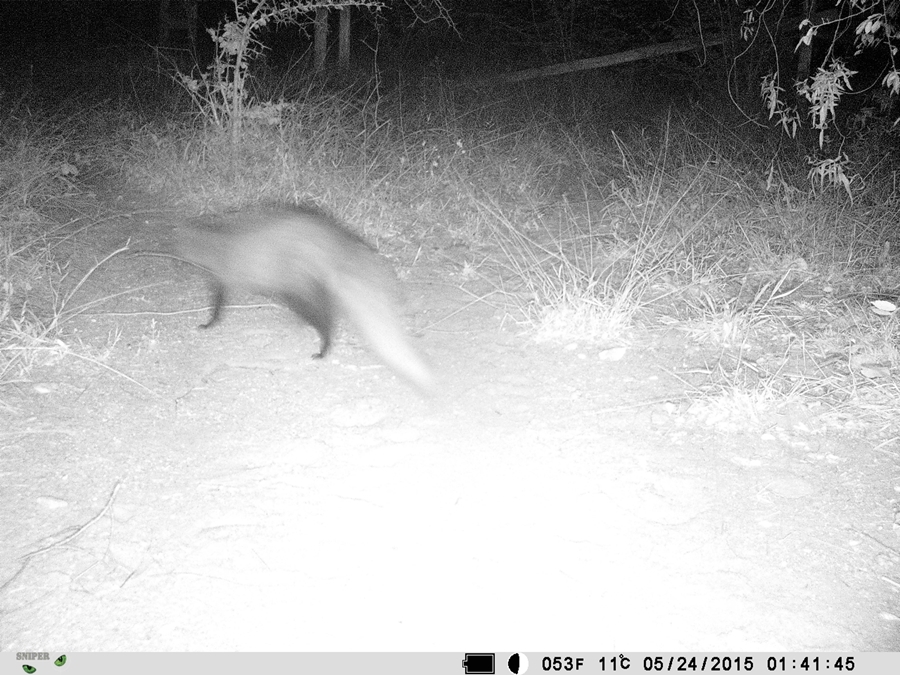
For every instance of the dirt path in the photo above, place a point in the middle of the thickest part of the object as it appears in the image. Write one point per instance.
(246, 497)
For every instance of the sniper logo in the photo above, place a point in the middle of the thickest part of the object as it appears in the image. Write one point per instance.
(61, 661)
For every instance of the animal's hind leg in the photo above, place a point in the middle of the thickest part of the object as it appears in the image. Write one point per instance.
(316, 308)
(218, 299)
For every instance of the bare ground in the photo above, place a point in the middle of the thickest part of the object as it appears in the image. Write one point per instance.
(235, 494)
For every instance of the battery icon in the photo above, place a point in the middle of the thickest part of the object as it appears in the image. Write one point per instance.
(478, 664)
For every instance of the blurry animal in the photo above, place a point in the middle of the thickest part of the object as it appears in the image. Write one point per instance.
(312, 263)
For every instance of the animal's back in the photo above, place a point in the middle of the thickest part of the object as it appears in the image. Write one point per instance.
(263, 248)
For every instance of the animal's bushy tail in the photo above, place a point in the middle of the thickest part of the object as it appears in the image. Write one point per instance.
(365, 292)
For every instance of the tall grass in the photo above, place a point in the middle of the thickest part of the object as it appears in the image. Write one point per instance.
(50, 156)
(33, 160)
(592, 228)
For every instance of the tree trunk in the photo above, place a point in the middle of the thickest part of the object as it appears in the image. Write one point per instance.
(178, 16)
(344, 40)
(804, 53)
(321, 38)
(164, 34)
(190, 10)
